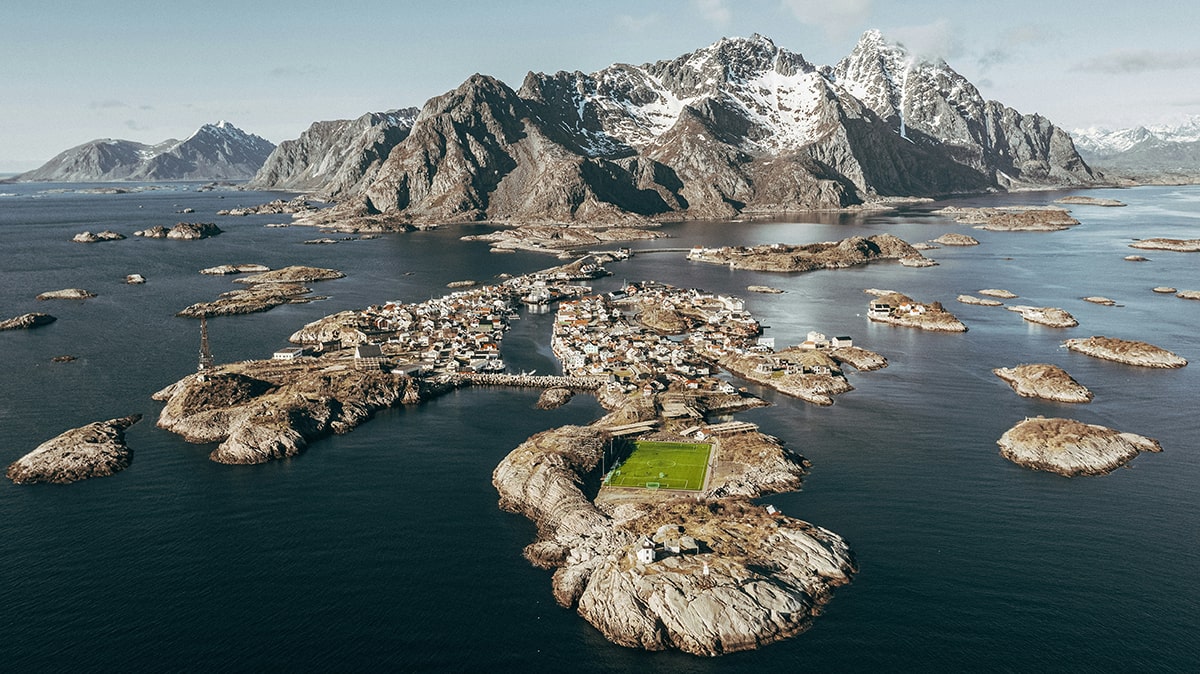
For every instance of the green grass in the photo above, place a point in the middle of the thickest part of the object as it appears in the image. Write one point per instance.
(669, 465)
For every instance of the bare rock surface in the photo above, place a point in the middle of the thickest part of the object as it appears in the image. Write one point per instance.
(268, 409)
(780, 257)
(956, 239)
(1070, 447)
(1096, 299)
(89, 237)
(768, 290)
(1136, 258)
(752, 578)
(181, 231)
(810, 375)
(67, 294)
(1041, 380)
(1188, 294)
(859, 358)
(135, 279)
(1177, 245)
(292, 274)
(27, 321)
(980, 301)
(95, 450)
(1012, 218)
(298, 204)
(1126, 351)
(998, 292)
(1165, 290)
(553, 398)
(1049, 316)
(224, 269)
(1081, 200)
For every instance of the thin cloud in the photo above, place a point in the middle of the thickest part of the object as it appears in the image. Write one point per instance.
(836, 18)
(636, 24)
(714, 12)
(937, 40)
(108, 104)
(134, 125)
(1133, 62)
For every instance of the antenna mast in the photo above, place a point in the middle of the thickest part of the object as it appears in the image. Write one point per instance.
(206, 357)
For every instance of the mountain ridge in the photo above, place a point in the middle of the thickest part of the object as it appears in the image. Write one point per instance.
(218, 151)
(739, 127)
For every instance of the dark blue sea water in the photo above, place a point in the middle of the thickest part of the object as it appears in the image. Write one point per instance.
(384, 548)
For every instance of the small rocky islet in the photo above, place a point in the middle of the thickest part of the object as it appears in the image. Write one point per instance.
(1070, 448)
(1042, 380)
(27, 321)
(263, 291)
(95, 450)
(1049, 316)
(1130, 352)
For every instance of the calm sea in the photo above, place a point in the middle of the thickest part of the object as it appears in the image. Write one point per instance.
(384, 548)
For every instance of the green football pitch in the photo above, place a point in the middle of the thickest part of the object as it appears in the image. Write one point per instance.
(663, 465)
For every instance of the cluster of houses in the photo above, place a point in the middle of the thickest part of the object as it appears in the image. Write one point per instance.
(459, 332)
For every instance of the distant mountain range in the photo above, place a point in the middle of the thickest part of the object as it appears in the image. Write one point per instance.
(1144, 152)
(218, 151)
(739, 127)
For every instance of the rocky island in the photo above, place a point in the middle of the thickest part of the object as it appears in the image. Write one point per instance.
(66, 294)
(1049, 316)
(1045, 381)
(1177, 245)
(95, 450)
(979, 301)
(27, 321)
(1070, 447)
(898, 309)
(701, 573)
(1126, 351)
(1081, 200)
(263, 291)
(780, 257)
(999, 292)
(184, 231)
(1012, 218)
(956, 239)
(225, 269)
(89, 237)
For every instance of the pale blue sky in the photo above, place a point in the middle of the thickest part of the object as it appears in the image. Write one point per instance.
(146, 71)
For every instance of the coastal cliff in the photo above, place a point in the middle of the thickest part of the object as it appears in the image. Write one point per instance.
(95, 450)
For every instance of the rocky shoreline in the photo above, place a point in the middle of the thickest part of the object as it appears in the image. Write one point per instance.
(1177, 245)
(897, 309)
(1070, 447)
(95, 450)
(27, 321)
(1012, 218)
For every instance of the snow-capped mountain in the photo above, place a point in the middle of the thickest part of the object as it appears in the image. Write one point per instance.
(740, 126)
(218, 151)
(1104, 143)
(1145, 153)
(333, 157)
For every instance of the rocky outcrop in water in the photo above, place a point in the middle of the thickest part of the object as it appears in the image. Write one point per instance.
(95, 450)
(780, 257)
(1080, 200)
(553, 398)
(979, 301)
(224, 269)
(264, 291)
(956, 239)
(1070, 447)
(1126, 351)
(298, 204)
(1012, 218)
(268, 409)
(67, 294)
(1045, 381)
(755, 576)
(898, 309)
(89, 237)
(1049, 316)
(27, 321)
(1177, 245)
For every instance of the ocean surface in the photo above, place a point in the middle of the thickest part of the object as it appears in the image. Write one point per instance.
(384, 549)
